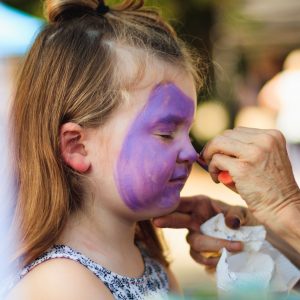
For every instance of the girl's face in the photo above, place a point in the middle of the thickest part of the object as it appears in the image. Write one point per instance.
(156, 156)
(142, 156)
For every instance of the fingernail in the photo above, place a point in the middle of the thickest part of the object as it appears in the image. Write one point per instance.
(202, 163)
(202, 151)
(233, 222)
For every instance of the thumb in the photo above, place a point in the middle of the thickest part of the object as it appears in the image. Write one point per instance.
(235, 217)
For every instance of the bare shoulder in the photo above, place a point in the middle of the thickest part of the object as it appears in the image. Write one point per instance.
(173, 283)
(60, 279)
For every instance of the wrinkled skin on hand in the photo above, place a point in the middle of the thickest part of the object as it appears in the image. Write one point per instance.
(194, 211)
(258, 162)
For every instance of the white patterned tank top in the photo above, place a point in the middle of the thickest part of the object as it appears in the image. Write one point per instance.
(153, 284)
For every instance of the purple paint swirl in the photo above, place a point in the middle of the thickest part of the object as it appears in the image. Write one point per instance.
(157, 155)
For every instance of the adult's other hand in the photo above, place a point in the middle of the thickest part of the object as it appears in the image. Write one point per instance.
(194, 211)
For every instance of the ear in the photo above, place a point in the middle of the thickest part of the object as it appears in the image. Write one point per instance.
(72, 147)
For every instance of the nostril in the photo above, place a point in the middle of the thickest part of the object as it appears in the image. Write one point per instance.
(188, 155)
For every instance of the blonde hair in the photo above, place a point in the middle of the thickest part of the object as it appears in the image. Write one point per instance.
(71, 75)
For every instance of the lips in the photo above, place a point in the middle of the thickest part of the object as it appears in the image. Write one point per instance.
(180, 175)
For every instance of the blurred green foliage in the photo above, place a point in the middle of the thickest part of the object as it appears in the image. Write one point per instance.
(33, 7)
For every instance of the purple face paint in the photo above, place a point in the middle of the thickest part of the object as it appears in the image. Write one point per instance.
(157, 154)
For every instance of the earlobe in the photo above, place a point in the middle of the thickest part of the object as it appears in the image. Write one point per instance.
(72, 147)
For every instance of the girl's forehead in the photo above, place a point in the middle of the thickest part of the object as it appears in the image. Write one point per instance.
(162, 88)
(145, 71)
(168, 104)
(170, 96)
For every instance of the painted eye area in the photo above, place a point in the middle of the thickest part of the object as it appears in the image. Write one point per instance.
(165, 131)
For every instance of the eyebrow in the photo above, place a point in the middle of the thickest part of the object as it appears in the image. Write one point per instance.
(171, 119)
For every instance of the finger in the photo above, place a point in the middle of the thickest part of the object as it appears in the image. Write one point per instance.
(247, 135)
(223, 145)
(211, 262)
(188, 204)
(204, 243)
(262, 133)
(221, 162)
(176, 220)
(240, 135)
(199, 207)
(250, 130)
(278, 135)
(192, 212)
(236, 216)
(220, 207)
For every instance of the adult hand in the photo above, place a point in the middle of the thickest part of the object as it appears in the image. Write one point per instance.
(192, 212)
(258, 163)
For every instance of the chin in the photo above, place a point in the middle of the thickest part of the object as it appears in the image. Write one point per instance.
(159, 209)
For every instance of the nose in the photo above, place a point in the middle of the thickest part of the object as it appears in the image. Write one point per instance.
(187, 153)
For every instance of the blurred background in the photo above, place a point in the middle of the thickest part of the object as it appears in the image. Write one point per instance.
(250, 48)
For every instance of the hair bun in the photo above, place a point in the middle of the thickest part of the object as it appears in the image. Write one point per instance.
(55, 9)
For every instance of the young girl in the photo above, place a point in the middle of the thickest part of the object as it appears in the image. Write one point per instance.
(101, 123)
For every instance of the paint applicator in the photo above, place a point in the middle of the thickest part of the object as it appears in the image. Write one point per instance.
(223, 176)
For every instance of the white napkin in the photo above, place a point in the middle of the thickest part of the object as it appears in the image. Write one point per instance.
(259, 264)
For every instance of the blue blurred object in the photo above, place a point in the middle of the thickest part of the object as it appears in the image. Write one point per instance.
(17, 31)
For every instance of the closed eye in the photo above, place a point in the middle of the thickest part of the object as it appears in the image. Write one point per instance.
(166, 136)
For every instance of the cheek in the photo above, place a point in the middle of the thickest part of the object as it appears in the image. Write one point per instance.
(143, 170)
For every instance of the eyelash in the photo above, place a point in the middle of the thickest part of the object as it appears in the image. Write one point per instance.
(166, 136)
(170, 136)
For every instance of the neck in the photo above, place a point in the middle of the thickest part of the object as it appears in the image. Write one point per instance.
(105, 238)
